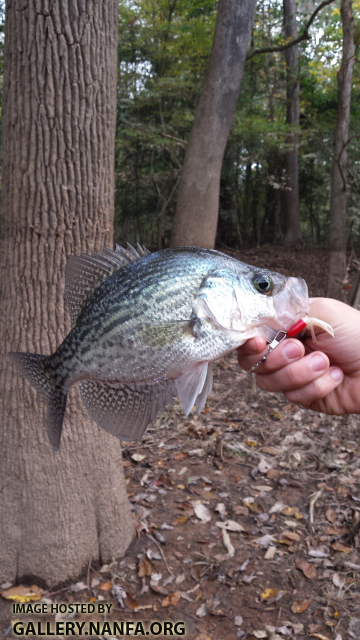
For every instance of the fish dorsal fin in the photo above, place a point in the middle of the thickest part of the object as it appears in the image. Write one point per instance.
(83, 274)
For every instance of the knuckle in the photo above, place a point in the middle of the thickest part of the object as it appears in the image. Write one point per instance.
(293, 376)
(320, 387)
(298, 397)
(263, 381)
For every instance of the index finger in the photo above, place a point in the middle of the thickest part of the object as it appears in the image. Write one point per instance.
(287, 351)
(253, 346)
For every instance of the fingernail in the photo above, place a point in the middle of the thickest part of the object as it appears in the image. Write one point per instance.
(337, 375)
(317, 363)
(291, 350)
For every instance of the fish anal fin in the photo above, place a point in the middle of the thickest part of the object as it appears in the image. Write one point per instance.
(125, 410)
(83, 274)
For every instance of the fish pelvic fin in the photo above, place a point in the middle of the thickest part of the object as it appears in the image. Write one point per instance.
(33, 366)
(194, 386)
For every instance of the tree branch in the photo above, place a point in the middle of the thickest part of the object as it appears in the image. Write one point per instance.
(154, 132)
(304, 36)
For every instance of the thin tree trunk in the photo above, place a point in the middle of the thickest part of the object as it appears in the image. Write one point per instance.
(337, 263)
(354, 300)
(198, 200)
(268, 226)
(56, 510)
(248, 196)
(291, 195)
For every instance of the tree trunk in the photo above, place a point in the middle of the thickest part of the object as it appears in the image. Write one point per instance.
(198, 200)
(57, 511)
(337, 263)
(291, 195)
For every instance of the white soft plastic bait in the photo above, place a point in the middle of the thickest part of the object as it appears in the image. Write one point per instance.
(309, 323)
(314, 322)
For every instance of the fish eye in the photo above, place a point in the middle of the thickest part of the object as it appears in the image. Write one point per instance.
(263, 284)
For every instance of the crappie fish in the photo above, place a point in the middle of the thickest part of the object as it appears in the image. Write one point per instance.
(148, 326)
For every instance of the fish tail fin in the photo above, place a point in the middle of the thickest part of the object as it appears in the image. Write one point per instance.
(35, 368)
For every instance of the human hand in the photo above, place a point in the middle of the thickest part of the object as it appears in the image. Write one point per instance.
(324, 375)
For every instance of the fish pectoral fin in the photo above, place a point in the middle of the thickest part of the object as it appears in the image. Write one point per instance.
(125, 410)
(190, 386)
(165, 333)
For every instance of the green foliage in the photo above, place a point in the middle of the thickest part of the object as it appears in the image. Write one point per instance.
(163, 52)
(164, 48)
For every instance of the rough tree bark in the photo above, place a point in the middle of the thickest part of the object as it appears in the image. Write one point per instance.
(56, 510)
(291, 194)
(337, 262)
(198, 200)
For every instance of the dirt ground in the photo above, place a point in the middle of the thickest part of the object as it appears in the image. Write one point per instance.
(247, 516)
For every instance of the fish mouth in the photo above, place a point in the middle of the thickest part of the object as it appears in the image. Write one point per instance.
(291, 304)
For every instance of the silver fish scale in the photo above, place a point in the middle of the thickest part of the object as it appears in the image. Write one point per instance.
(108, 344)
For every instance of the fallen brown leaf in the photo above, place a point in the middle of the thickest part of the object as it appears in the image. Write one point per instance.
(290, 535)
(336, 530)
(131, 602)
(241, 511)
(171, 599)
(23, 594)
(273, 473)
(144, 568)
(300, 607)
(105, 586)
(181, 455)
(331, 515)
(180, 520)
(268, 593)
(185, 506)
(271, 451)
(256, 507)
(341, 547)
(319, 635)
(158, 589)
(292, 511)
(307, 568)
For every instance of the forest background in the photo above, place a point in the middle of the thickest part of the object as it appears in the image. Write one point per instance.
(164, 49)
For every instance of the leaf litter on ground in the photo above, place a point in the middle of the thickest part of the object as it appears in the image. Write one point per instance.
(248, 476)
